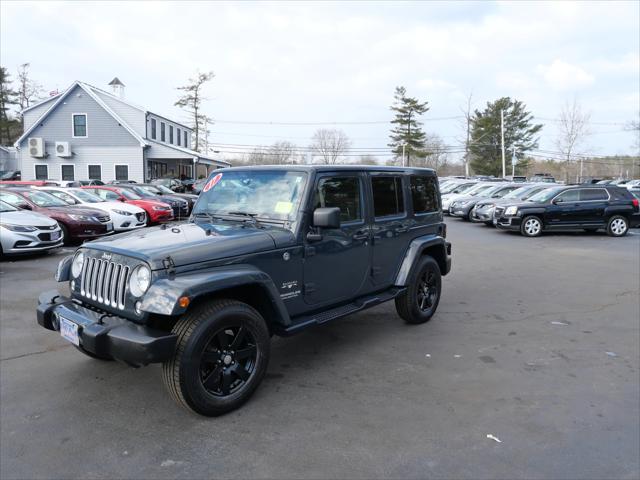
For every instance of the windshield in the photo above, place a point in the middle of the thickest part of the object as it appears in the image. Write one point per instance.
(86, 196)
(6, 175)
(162, 189)
(475, 189)
(462, 188)
(129, 195)
(264, 194)
(152, 190)
(518, 192)
(43, 199)
(545, 195)
(143, 192)
(5, 207)
(449, 187)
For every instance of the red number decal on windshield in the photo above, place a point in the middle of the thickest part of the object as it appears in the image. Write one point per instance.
(212, 183)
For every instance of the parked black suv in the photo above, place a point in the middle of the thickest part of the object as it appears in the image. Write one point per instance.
(267, 250)
(588, 207)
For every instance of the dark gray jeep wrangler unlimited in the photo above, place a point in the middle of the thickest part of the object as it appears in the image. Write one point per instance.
(267, 250)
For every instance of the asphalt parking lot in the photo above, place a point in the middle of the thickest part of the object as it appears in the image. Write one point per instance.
(536, 343)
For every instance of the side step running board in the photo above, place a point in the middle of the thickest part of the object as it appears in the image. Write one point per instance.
(305, 321)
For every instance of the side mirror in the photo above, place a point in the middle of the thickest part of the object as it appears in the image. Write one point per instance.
(557, 201)
(326, 217)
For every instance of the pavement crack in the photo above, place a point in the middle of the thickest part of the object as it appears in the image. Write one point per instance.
(23, 355)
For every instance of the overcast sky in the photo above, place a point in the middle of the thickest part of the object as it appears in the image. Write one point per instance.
(340, 62)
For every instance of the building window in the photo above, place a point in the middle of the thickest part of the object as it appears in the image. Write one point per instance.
(424, 194)
(67, 172)
(42, 172)
(79, 125)
(162, 137)
(178, 136)
(171, 134)
(95, 172)
(122, 172)
(186, 142)
(153, 128)
(156, 170)
(387, 196)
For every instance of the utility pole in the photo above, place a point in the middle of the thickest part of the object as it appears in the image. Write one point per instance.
(504, 165)
(408, 140)
(513, 163)
(404, 144)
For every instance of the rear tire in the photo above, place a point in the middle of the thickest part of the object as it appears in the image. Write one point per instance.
(420, 301)
(531, 226)
(220, 359)
(617, 226)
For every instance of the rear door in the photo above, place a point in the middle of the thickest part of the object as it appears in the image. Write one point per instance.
(336, 268)
(593, 203)
(391, 226)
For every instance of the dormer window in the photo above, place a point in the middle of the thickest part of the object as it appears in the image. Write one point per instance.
(186, 144)
(162, 135)
(171, 134)
(178, 136)
(79, 125)
(153, 128)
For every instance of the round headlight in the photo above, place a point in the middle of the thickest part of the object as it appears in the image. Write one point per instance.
(140, 280)
(76, 265)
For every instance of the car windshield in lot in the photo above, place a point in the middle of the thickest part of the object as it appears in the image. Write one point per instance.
(129, 195)
(86, 196)
(5, 207)
(43, 199)
(160, 188)
(144, 192)
(545, 195)
(263, 194)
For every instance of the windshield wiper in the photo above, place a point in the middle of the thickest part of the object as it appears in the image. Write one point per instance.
(205, 215)
(250, 216)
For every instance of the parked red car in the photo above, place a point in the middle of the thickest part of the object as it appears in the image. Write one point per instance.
(77, 223)
(156, 211)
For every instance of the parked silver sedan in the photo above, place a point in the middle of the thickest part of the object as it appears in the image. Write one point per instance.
(22, 231)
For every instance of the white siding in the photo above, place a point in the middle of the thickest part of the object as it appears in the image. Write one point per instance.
(167, 124)
(157, 150)
(30, 116)
(132, 116)
(108, 157)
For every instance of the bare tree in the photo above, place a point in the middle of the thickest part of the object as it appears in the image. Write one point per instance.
(573, 130)
(330, 145)
(28, 89)
(367, 160)
(435, 153)
(191, 101)
(467, 111)
(283, 153)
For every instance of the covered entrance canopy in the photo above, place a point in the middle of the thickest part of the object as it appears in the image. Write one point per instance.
(162, 160)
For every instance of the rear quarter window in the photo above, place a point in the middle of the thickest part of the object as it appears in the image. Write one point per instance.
(424, 194)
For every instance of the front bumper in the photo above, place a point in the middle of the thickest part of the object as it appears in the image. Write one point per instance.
(161, 216)
(508, 223)
(107, 335)
(481, 215)
(459, 211)
(29, 242)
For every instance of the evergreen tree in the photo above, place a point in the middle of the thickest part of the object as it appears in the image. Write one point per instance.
(9, 126)
(520, 134)
(407, 130)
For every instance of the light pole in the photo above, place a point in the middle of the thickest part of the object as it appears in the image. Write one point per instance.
(404, 144)
(504, 164)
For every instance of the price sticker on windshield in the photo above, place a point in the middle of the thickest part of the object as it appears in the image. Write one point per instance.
(212, 183)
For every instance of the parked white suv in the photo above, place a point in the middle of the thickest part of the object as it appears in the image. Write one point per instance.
(124, 216)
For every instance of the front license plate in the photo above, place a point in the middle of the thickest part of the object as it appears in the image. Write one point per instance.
(69, 331)
(55, 235)
(495, 221)
(109, 227)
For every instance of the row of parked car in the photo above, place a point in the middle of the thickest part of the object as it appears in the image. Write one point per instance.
(532, 208)
(35, 216)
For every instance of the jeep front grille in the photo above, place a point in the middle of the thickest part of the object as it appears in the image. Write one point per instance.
(104, 281)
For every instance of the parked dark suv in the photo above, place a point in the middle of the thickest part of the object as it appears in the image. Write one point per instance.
(267, 250)
(588, 207)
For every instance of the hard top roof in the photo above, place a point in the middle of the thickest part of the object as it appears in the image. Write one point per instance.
(333, 168)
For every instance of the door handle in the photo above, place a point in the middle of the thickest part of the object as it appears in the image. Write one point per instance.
(360, 235)
(402, 229)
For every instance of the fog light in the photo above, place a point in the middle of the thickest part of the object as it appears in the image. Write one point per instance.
(138, 307)
(55, 321)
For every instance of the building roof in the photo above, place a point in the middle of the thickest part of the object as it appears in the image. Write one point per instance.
(116, 81)
(188, 151)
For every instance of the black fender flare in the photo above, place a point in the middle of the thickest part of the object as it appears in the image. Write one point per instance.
(163, 296)
(416, 249)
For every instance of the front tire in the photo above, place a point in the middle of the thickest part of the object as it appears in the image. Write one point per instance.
(531, 226)
(617, 226)
(220, 359)
(420, 302)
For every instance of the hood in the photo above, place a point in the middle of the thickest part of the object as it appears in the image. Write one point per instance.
(74, 210)
(126, 207)
(27, 218)
(189, 243)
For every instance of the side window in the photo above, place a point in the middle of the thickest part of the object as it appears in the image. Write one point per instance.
(342, 192)
(67, 172)
(79, 125)
(424, 194)
(162, 135)
(95, 172)
(587, 194)
(153, 128)
(569, 196)
(122, 172)
(387, 196)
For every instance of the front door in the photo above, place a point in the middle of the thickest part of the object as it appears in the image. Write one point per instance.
(336, 268)
(564, 209)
